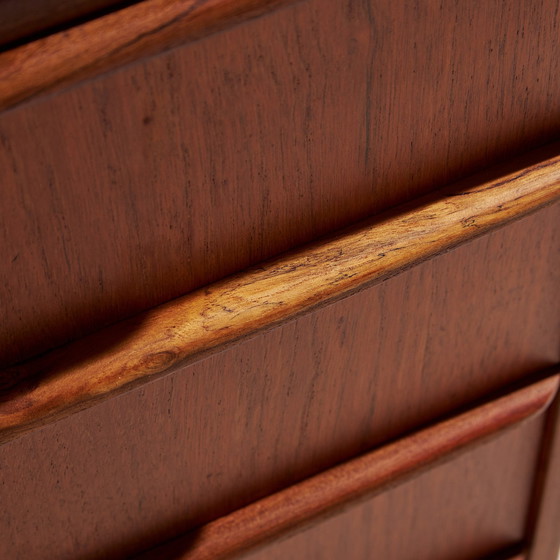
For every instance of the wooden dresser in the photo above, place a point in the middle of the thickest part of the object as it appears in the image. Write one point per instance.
(279, 280)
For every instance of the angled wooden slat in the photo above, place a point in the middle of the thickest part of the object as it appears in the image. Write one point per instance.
(105, 43)
(325, 494)
(169, 336)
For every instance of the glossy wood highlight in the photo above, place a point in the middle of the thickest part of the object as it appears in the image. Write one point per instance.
(177, 333)
(359, 479)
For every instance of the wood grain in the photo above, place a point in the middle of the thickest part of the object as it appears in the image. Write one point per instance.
(375, 529)
(182, 331)
(417, 521)
(345, 485)
(150, 464)
(140, 186)
(104, 43)
(144, 184)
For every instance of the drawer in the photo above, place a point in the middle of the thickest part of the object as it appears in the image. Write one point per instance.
(468, 509)
(281, 406)
(146, 158)
(134, 188)
(420, 497)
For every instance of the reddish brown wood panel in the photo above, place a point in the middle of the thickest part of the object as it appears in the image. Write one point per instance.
(205, 321)
(151, 464)
(322, 496)
(467, 509)
(104, 43)
(144, 184)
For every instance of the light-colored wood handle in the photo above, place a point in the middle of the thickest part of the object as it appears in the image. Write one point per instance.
(327, 493)
(185, 330)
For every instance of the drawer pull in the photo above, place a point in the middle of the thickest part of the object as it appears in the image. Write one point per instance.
(180, 332)
(347, 484)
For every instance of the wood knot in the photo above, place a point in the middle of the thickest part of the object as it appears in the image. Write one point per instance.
(158, 361)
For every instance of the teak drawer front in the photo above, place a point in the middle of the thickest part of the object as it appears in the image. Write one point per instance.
(456, 514)
(134, 188)
(468, 509)
(270, 411)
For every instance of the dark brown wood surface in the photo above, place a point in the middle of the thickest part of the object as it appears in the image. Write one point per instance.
(142, 185)
(150, 464)
(164, 338)
(465, 510)
(326, 494)
(22, 20)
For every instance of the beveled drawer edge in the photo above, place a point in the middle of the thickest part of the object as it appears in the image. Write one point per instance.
(323, 495)
(544, 519)
(103, 44)
(161, 340)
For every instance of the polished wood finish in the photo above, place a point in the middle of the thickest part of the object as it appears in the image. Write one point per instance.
(402, 524)
(163, 339)
(104, 43)
(544, 529)
(325, 494)
(280, 407)
(125, 189)
(142, 185)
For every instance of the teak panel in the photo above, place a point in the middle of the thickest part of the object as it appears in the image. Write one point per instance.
(324, 495)
(183, 331)
(82, 52)
(144, 184)
(152, 463)
(466, 510)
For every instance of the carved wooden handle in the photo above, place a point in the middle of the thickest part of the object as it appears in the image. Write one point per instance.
(180, 332)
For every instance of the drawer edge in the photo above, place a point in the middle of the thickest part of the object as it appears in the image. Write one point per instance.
(323, 495)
